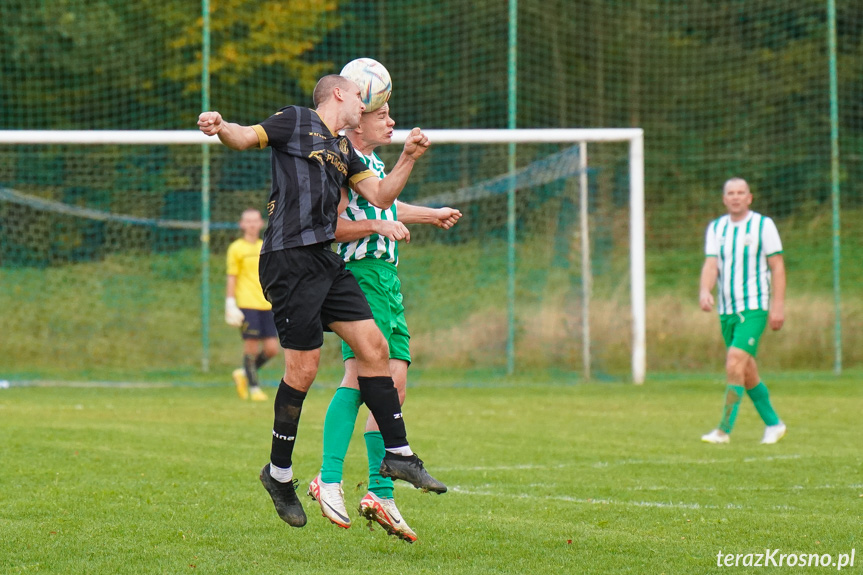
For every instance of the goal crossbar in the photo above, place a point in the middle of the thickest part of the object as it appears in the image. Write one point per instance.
(170, 137)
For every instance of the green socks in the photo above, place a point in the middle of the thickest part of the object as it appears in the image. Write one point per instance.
(761, 400)
(733, 395)
(338, 428)
(378, 484)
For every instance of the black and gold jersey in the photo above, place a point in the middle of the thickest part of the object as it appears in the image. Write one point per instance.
(310, 166)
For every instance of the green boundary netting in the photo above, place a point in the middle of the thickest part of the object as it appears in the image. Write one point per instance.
(720, 89)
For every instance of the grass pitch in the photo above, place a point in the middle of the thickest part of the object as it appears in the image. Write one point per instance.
(544, 478)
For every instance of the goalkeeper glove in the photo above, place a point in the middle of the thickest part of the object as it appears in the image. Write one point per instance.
(233, 315)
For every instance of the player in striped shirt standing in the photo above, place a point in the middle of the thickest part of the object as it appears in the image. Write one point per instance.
(368, 243)
(744, 253)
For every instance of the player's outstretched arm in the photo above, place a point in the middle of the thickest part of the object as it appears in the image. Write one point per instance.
(382, 193)
(777, 288)
(444, 218)
(709, 273)
(234, 136)
(348, 230)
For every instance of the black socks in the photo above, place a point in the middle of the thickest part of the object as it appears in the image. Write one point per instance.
(380, 395)
(288, 406)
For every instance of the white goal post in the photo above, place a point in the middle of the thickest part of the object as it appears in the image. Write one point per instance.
(633, 136)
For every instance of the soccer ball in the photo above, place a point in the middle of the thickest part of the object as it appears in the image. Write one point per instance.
(373, 80)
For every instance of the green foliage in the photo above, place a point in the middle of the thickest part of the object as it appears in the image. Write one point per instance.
(251, 39)
(87, 65)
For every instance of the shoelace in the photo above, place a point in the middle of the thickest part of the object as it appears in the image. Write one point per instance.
(332, 489)
(390, 506)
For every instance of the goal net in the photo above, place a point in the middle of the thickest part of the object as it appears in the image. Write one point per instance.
(113, 248)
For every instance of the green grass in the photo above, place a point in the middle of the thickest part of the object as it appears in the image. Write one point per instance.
(545, 478)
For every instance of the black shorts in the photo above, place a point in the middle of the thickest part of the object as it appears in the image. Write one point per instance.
(310, 288)
(259, 324)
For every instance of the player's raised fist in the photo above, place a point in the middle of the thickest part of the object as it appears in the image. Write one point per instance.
(210, 123)
(446, 218)
(416, 143)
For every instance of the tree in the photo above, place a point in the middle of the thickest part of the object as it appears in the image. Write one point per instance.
(259, 49)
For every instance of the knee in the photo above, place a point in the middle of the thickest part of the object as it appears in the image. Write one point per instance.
(752, 376)
(382, 349)
(736, 361)
(375, 349)
(300, 374)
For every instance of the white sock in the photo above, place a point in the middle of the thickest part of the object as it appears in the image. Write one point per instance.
(281, 474)
(404, 450)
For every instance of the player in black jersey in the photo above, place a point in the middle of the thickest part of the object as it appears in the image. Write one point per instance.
(307, 283)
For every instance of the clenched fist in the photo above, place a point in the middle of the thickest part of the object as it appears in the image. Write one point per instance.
(416, 143)
(210, 123)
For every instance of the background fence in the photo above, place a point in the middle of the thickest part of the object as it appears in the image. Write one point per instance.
(720, 89)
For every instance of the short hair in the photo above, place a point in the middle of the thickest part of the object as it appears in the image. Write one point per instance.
(734, 180)
(324, 87)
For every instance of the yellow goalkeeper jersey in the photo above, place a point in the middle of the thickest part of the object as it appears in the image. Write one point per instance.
(243, 259)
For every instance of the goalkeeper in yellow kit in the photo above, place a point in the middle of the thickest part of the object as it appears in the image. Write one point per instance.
(246, 307)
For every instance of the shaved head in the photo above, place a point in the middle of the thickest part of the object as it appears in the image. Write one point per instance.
(732, 181)
(326, 85)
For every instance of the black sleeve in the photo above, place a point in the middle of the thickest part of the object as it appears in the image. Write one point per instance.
(355, 163)
(278, 128)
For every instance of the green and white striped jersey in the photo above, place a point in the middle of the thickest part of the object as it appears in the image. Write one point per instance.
(373, 246)
(742, 249)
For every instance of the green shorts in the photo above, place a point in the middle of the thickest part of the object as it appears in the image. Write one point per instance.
(743, 330)
(380, 282)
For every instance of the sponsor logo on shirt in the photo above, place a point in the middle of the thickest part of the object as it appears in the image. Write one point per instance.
(327, 156)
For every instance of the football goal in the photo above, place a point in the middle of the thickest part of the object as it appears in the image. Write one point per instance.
(114, 241)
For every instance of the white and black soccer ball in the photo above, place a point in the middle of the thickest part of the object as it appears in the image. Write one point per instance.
(372, 78)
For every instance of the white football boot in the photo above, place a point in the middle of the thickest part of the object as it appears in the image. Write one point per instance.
(331, 498)
(716, 436)
(773, 433)
(385, 512)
